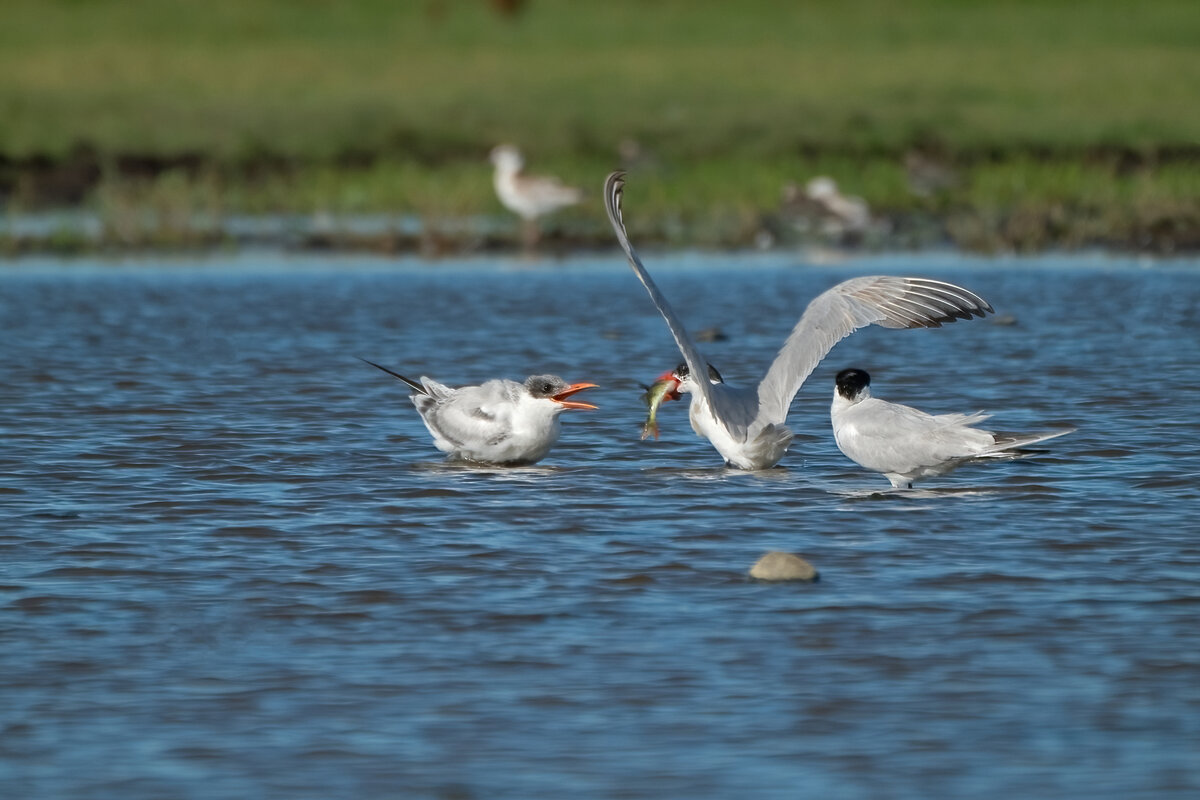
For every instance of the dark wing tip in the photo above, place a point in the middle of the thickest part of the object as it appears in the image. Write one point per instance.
(614, 187)
(956, 302)
(412, 384)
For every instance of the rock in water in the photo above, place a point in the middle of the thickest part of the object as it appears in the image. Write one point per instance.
(779, 566)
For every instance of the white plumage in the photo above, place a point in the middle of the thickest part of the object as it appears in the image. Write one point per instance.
(905, 443)
(497, 422)
(746, 426)
(528, 196)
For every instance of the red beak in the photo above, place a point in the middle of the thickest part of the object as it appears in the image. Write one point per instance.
(669, 375)
(561, 397)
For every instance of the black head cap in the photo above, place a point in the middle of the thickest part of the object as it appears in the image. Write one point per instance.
(682, 372)
(851, 382)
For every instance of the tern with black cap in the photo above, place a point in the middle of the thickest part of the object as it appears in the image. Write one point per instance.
(905, 443)
(746, 425)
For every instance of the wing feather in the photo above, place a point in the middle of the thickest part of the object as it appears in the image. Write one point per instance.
(471, 414)
(614, 187)
(889, 437)
(892, 302)
(411, 383)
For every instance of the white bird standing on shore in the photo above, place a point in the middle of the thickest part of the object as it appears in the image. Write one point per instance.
(746, 425)
(528, 196)
(844, 215)
(905, 443)
(498, 422)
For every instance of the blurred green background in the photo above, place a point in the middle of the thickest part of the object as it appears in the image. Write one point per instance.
(1056, 123)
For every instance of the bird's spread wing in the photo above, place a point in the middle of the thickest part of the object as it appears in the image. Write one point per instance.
(891, 302)
(613, 190)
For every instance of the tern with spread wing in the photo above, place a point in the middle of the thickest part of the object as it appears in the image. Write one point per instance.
(498, 422)
(746, 425)
(905, 443)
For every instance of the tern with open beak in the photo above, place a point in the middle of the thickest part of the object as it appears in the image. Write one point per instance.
(500, 421)
(746, 425)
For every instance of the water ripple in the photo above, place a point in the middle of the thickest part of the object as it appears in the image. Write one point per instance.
(233, 564)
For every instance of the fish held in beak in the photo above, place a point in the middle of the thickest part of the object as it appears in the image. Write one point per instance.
(660, 391)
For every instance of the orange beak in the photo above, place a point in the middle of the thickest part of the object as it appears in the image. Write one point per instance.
(561, 397)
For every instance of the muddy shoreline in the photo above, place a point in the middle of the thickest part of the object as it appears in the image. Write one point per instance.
(41, 188)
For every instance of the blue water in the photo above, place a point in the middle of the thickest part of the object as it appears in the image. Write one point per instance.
(232, 564)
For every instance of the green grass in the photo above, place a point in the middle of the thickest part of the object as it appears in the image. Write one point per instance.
(308, 78)
(376, 105)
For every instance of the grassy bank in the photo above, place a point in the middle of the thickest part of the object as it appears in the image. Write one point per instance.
(1056, 123)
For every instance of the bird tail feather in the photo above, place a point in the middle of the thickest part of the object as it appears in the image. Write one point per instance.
(1008, 444)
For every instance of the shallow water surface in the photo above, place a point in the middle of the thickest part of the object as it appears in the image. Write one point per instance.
(234, 566)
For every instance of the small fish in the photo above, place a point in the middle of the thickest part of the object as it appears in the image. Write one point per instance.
(655, 395)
